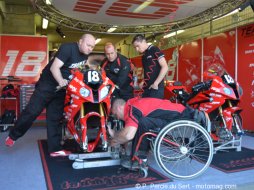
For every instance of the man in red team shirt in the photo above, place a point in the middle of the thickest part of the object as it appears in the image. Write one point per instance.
(143, 114)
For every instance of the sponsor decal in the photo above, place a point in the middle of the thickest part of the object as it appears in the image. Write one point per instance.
(216, 95)
(251, 65)
(214, 102)
(215, 89)
(228, 119)
(73, 88)
(252, 93)
(81, 83)
(77, 65)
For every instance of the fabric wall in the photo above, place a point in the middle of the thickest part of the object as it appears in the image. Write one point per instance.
(23, 57)
(246, 73)
(189, 72)
(220, 49)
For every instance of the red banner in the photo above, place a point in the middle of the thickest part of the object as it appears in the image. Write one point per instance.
(22, 60)
(246, 73)
(220, 49)
(189, 72)
(23, 57)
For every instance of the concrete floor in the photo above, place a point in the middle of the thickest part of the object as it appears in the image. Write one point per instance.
(21, 169)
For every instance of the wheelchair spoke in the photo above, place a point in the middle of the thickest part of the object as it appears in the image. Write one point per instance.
(193, 154)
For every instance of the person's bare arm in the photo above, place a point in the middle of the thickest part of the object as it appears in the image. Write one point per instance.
(124, 135)
(163, 72)
(55, 70)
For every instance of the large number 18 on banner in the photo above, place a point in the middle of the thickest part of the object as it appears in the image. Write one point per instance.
(23, 57)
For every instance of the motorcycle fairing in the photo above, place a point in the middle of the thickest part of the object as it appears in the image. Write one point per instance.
(228, 116)
(79, 93)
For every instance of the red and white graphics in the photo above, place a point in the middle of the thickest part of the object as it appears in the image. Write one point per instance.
(23, 57)
(132, 12)
(246, 72)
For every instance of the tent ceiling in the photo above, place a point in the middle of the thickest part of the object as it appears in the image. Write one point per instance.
(95, 16)
(133, 16)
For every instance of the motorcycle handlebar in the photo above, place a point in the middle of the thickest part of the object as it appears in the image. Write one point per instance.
(63, 87)
(202, 86)
(60, 88)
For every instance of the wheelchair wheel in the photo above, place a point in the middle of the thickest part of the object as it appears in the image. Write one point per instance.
(183, 149)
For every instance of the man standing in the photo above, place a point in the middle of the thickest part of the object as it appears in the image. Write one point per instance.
(154, 65)
(56, 73)
(118, 69)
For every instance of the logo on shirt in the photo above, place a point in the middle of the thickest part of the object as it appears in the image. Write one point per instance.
(116, 70)
(149, 57)
(77, 65)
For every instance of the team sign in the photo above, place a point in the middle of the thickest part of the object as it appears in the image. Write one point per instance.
(23, 57)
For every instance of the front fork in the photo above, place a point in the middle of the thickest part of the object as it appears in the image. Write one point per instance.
(228, 118)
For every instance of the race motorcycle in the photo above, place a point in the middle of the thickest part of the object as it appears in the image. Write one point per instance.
(219, 96)
(87, 107)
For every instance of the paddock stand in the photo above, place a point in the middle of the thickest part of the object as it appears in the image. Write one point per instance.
(96, 159)
(99, 159)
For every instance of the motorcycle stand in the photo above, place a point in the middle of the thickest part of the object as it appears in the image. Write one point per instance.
(232, 144)
(96, 159)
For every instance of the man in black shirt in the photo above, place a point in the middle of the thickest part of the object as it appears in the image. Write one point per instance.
(154, 65)
(118, 69)
(56, 73)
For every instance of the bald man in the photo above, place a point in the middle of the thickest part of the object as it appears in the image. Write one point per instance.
(118, 69)
(56, 73)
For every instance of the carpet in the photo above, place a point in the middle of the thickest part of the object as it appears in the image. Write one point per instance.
(59, 175)
(232, 161)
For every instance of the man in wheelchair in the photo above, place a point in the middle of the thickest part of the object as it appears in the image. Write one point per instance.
(142, 115)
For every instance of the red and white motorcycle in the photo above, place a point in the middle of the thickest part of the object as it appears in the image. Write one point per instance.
(87, 108)
(219, 96)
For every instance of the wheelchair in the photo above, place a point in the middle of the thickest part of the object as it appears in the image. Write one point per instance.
(183, 149)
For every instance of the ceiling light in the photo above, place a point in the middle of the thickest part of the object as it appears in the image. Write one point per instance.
(142, 6)
(48, 2)
(45, 23)
(60, 32)
(112, 29)
(97, 40)
(173, 33)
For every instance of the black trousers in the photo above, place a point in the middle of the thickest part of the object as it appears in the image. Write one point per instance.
(44, 96)
(156, 121)
(153, 93)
